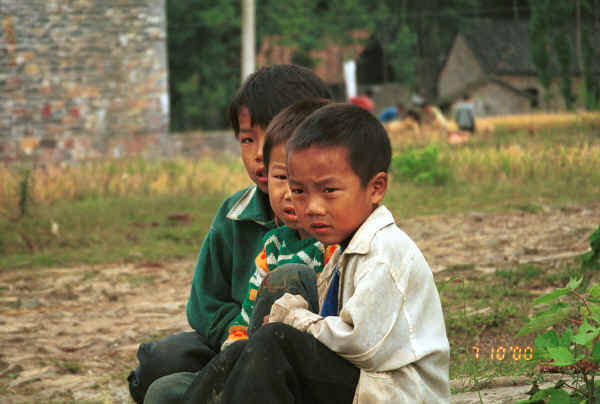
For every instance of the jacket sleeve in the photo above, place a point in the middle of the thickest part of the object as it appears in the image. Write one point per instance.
(210, 307)
(238, 328)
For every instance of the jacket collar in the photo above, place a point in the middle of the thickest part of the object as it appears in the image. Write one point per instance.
(377, 220)
(254, 206)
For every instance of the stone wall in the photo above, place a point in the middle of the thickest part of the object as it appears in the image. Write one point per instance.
(81, 78)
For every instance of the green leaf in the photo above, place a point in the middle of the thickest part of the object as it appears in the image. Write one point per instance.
(561, 355)
(574, 283)
(551, 296)
(586, 334)
(594, 290)
(559, 397)
(546, 319)
(566, 338)
(536, 398)
(596, 352)
(595, 309)
(540, 395)
(547, 339)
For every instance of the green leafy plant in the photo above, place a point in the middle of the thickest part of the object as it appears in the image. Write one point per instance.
(421, 166)
(571, 349)
(591, 259)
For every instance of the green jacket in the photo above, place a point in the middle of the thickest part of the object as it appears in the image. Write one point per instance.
(226, 262)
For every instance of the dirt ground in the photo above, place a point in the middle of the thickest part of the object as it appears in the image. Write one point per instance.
(71, 334)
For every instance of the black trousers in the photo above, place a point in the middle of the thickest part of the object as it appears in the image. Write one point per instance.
(278, 364)
(188, 352)
(185, 352)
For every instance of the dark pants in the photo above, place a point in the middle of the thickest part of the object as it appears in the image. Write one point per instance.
(185, 352)
(278, 364)
(468, 129)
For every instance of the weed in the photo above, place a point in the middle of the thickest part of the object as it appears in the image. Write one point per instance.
(24, 192)
(571, 345)
(87, 275)
(591, 259)
(135, 280)
(514, 275)
(69, 367)
(529, 207)
(421, 166)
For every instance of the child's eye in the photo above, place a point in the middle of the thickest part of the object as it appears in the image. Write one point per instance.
(281, 177)
(246, 140)
(329, 190)
(297, 191)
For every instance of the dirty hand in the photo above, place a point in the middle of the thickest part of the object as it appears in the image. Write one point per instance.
(282, 307)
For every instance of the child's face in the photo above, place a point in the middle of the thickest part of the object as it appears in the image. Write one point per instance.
(251, 147)
(329, 199)
(279, 191)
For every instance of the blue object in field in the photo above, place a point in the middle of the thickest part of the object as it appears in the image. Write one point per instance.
(388, 114)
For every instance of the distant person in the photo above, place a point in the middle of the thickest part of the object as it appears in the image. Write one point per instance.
(414, 115)
(464, 114)
(364, 101)
(392, 113)
(417, 99)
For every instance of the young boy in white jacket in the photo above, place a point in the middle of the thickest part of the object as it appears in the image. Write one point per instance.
(379, 336)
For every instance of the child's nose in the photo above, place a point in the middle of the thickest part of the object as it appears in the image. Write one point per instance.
(314, 206)
(259, 152)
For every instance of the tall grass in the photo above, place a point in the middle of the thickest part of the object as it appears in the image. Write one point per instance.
(516, 164)
(133, 209)
(538, 121)
(118, 178)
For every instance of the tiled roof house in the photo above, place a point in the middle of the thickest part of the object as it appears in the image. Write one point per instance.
(492, 61)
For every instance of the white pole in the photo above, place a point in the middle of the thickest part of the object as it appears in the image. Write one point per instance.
(248, 38)
(350, 78)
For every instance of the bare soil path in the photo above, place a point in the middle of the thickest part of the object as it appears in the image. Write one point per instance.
(70, 334)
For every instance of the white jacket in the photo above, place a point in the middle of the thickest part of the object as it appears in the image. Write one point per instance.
(390, 322)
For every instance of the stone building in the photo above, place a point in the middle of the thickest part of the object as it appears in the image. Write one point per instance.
(492, 61)
(81, 78)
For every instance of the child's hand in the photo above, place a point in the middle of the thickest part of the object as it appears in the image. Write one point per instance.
(293, 310)
(266, 320)
(282, 307)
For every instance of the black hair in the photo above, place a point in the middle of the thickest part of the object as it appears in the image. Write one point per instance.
(285, 122)
(270, 89)
(345, 124)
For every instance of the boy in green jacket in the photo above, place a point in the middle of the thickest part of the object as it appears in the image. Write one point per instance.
(225, 262)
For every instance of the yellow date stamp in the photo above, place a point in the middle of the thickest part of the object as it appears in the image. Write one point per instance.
(501, 352)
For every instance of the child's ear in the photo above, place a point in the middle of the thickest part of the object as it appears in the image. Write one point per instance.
(377, 187)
